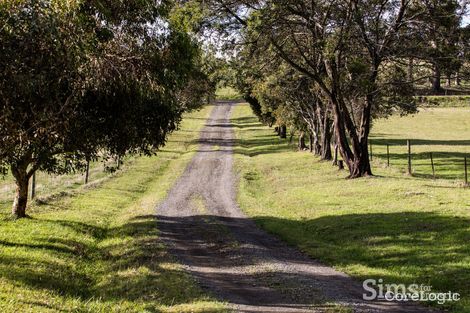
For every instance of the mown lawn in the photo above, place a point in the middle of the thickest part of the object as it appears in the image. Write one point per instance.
(399, 228)
(98, 250)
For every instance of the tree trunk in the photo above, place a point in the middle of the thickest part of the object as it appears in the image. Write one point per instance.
(302, 145)
(311, 143)
(449, 80)
(411, 70)
(436, 82)
(457, 79)
(335, 159)
(283, 131)
(326, 139)
(360, 166)
(21, 196)
(316, 142)
(357, 158)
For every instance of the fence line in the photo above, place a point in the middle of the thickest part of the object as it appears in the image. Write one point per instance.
(431, 157)
(43, 184)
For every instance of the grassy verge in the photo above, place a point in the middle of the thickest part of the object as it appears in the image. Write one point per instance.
(395, 227)
(98, 250)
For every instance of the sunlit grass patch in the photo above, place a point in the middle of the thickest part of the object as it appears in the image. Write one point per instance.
(227, 93)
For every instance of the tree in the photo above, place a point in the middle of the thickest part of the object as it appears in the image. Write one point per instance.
(246, 78)
(438, 29)
(293, 101)
(464, 55)
(83, 78)
(347, 48)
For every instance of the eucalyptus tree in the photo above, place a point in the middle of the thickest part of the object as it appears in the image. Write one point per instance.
(464, 55)
(247, 75)
(81, 78)
(347, 48)
(293, 101)
(436, 37)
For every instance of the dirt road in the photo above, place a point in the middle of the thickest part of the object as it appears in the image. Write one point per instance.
(251, 270)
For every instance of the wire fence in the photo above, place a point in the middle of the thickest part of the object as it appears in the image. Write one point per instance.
(422, 161)
(43, 185)
(419, 158)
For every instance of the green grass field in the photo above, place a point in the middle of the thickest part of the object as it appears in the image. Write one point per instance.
(97, 250)
(444, 132)
(399, 228)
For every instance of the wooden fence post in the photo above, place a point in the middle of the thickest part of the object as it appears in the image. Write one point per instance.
(432, 165)
(466, 172)
(87, 171)
(408, 143)
(33, 186)
(388, 155)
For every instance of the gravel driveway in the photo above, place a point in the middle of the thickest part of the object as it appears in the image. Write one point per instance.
(230, 257)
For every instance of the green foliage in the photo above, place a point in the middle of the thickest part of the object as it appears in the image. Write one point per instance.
(397, 94)
(82, 79)
(188, 16)
(41, 61)
(444, 101)
(437, 37)
(353, 56)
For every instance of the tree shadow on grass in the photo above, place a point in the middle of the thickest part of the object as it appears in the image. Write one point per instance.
(122, 263)
(424, 247)
(406, 247)
(256, 145)
(398, 247)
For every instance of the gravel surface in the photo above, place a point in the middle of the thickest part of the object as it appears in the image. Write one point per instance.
(231, 257)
